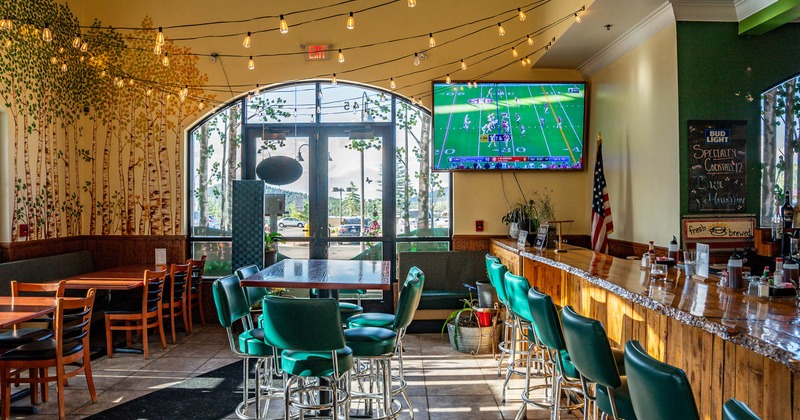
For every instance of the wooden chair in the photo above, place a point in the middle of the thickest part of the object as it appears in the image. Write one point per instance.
(195, 288)
(140, 316)
(68, 346)
(174, 303)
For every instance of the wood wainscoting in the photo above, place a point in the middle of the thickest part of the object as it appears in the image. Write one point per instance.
(107, 251)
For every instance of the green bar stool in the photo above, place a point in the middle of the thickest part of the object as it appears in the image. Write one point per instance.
(591, 353)
(232, 306)
(496, 272)
(734, 409)
(516, 289)
(314, 353)
(658, 391)
(407, 304)
(548, 326)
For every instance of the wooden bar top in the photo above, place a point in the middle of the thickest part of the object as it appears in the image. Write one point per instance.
(770, 327)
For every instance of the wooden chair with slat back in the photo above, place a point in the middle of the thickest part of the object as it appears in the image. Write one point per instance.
(140, 315)
(68, 346)
(174, 302)
(195, 290)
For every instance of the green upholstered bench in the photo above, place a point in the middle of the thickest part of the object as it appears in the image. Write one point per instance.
(445, 275)
(45, 269)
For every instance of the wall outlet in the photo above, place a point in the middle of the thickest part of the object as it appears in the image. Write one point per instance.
(479, 226)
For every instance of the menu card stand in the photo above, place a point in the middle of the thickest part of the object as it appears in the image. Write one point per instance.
(558, 224)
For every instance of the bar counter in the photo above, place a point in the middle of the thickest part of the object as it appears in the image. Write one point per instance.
(729, 344)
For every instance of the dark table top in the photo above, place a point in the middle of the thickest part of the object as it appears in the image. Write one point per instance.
(14, 310)
(323, 274)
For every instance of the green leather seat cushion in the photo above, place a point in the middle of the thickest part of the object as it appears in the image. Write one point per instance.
(622, 397)
(370, 341)
(371, 319)
(569, 369)
(306, 363)
(442, 299)
(252, 342)
(347, 309)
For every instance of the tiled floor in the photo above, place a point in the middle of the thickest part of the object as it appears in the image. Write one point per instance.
(443, 384)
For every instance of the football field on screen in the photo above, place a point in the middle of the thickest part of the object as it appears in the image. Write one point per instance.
(535, 120)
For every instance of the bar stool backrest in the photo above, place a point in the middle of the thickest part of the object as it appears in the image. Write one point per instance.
(734, 409)
(545, 316)
(254, 294)
(588, 347)
(409, 298)
(517, 294)
(230, 300)
(658, 391)
(497, 273)
(289, 325)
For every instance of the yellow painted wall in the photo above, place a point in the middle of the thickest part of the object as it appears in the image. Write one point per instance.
(634, 103)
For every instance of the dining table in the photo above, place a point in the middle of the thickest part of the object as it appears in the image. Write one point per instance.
(126, 277)
(18, 309)
(327, 275)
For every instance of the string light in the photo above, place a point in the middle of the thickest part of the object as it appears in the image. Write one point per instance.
(246, 41)
(416, 59)
(46, 34)
(522, 61)
(392, 84)
(351, 21)
(81, 59)
(169, 96)
(528, 60)
(431, 41)
(165, 60)
(64, 67)
(61, 50)
(3, 23)
(76, 42)
(577, 18)
(201, 105)
(131, 82)
(148, 92)
(463, 65)
(522, 16)
(103, 73)
(160, 37)
(8, 43)
(500, 30)
(183, 93)
(514, 52)
(412, 3)
(341, 56)
(9, 24)
(251, 64)
(447, 79)
(157, 49)
(53, 60)
(84, 46)
(258, 89)
(333, 79)
(283, 26)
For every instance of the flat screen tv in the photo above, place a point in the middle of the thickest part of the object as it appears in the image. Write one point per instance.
(509, 126)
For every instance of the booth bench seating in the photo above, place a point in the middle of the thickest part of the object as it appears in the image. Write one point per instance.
(445, 275)
(44, 269)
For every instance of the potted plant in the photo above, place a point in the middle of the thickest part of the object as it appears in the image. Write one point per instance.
(271, 241)
(528, 214)
(465, 332)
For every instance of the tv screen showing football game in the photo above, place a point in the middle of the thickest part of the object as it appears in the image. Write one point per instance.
(508, 126)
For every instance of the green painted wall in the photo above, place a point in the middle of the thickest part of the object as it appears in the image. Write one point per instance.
(712, 69)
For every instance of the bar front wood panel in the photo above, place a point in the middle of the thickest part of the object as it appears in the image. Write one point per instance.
(508, 255)
(717, 369)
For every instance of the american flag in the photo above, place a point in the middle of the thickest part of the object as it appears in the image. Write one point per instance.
(602, 224)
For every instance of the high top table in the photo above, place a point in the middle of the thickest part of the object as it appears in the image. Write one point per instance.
(326, 275)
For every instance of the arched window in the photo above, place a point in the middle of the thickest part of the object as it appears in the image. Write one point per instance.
(366, 192)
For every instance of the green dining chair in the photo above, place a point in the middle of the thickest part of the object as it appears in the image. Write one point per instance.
(232, 308)
(254, 294)
(407, 304)
(313, 347)
(734, 409)
(591, 353)
(650, 381)
(496, 272)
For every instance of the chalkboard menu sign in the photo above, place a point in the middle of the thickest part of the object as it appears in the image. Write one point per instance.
(717, 163)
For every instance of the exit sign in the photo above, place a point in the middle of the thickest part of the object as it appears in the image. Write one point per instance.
(316, 52)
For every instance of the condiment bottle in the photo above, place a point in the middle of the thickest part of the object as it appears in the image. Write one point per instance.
(672, 250)
(791, 270)
(778, 275)
(735, 271)
(651, 252)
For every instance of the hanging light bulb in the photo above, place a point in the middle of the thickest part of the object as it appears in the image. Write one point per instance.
(392, 84)
(251, 64)
(201, 105)
(283, 26)
(522, 16)
(9, 24)
(61, 50)
(416, 59)
(160, 37)
(351, 21)
(246, 41)
(522, 61)
(412, 3)
(463, 65)
(500, 30)
(431, 41)
(169, 96)
(341, 56)
(76, 42)
(148, 91)
(82, 59)
(447, 79)
(183, 93)
(131, 82)
(103, 73)
(3, 23)
(165, 60)
(528, 61)
(258, 89)
(577, 18)
(157, 49)
(8, 43)
(64, 67)
(46, 34)
(333, 79)
(514, 52)
(84, 46)
(530, 40)
(53, 60)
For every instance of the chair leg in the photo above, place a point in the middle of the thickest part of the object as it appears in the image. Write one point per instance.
(172, 321)
(190, 314)
(161, 329)
(200, 304)
(87, 371)
(60, 376)
(109, 340)
(186, 325)
(6, 398)
(144, 336)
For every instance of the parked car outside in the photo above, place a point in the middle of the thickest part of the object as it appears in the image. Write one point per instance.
(291, 221)
(413, 217)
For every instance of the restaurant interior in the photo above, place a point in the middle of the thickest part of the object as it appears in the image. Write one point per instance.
(399, 209)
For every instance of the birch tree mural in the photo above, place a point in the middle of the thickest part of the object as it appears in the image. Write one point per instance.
(96, 124)
(780, 146)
